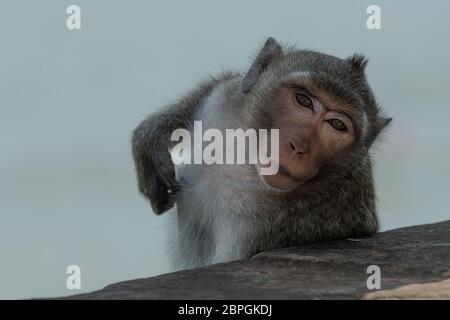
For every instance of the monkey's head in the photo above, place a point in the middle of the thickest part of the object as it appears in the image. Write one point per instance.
(324, 109)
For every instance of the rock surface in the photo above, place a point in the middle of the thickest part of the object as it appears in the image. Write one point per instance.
(434, 290)
(414, 261)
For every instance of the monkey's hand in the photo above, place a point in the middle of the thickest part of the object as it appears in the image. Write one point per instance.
(155, 172)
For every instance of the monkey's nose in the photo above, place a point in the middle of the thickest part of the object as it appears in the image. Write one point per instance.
(299, 148)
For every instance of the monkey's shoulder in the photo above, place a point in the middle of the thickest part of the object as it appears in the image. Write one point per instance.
(222, 105)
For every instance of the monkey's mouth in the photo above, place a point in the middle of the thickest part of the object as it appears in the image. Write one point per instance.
(284, 180)
(295, 178)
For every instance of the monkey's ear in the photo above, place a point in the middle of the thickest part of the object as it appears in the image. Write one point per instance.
(385, 122)
(358, 62)
(270, 50)
(380, 125)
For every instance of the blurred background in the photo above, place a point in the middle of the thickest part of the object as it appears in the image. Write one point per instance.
(70, 99)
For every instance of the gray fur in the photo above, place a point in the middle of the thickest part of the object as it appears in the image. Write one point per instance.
(225, 212)
(270, 50)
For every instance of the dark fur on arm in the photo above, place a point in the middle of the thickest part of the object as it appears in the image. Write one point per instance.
(151, 142)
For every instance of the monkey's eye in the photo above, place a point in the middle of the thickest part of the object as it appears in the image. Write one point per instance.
(304, 100)
(337, 124)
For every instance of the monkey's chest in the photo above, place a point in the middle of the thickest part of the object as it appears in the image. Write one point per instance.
(211, 191)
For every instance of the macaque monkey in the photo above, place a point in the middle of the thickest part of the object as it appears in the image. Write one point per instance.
(328, 119)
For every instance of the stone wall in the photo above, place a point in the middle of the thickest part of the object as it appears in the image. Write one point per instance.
(414, 263)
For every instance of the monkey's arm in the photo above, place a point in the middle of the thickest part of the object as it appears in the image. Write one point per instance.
(151, 143)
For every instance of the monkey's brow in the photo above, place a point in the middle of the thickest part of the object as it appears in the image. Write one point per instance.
(339, 105)
(333, 95)
(303, 86)
(345, 106)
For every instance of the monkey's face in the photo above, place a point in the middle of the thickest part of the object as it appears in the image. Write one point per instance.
(313, 130)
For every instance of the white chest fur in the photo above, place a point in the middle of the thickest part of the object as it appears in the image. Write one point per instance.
(213, 210)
